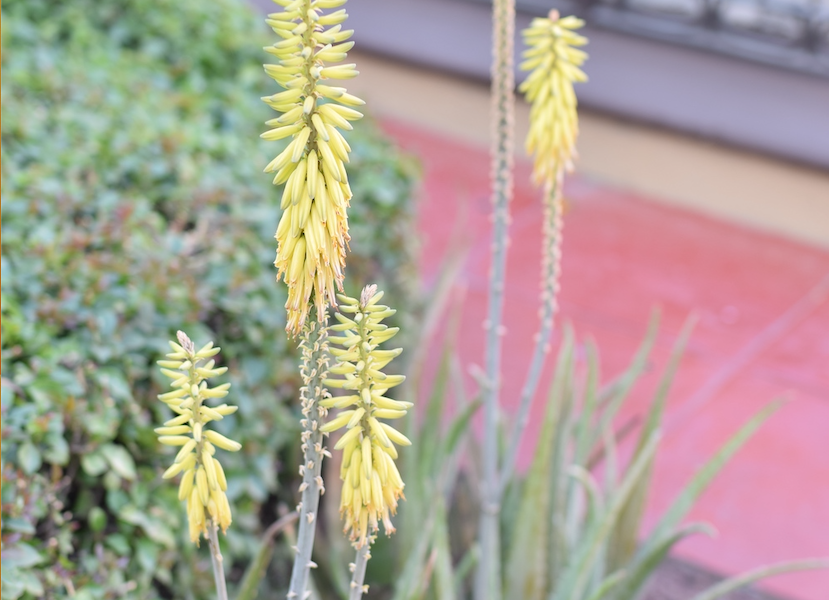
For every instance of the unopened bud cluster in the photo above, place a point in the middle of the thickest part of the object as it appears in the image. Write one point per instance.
(312, 234)
(554, 60)
(372, 484)
(203, 482)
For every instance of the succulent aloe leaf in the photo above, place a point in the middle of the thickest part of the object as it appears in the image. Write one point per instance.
(613, 395)
(608, 585)
(432, 426)
(526, 574)
(701, 480)
(734, 583)
(625, 536)
(526, 570)
(574, 578)
(640, 571)
(444, 575)
(558, 480)
(408, 585)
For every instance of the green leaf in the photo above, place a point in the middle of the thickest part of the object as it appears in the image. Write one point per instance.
(412, 574)
(21, 556)
(607, 585)
(28, 457)
(57, 453)
(97, 519)
(734, 583)
(31, 583)
(641, 570)
(625, 536)
(573, 581)
(13, 587)
(19, 525)
(120, 460)
(700, 481)
(526, 573)
(444, 577)
(93, 464)
(155, 530)
(459, 427)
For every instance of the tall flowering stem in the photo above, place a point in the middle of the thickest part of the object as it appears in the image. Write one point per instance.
(312, 236)
(314, 369)
(358, 572)
(372, 484)
(203, 483)
(488, 581)
(554, 59)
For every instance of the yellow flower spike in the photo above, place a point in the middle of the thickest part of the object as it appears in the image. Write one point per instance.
(203, 483)
(371, 488)
(312, 236)
(554, 63)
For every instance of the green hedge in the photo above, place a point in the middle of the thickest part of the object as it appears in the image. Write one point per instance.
(134, 204)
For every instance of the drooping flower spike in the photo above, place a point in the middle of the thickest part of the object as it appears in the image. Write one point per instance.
(312, 236)
(371, 482)
(203, 482)
(554, 60)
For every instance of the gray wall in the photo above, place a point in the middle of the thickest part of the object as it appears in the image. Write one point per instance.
(762, 108)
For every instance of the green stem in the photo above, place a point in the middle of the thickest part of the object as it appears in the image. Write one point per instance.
(314, 369)
(216, 560)
(359, 575)
(488, 581)
(550, 272)
(256, 569)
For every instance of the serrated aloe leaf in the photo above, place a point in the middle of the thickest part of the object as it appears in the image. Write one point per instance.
(613, 395)
(559, 547)
(574, 578)
(701, 480)
(465, 567)
(414, 569)
(625, 536)
(607, 585)
(591, 488)
(444, 576)
(459, 427)
(582, 436)
(734, 583)
(432, 426)
(640, 571)
(526, 574)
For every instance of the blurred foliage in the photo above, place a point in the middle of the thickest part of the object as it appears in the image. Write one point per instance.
(133, 204)
(572, 525)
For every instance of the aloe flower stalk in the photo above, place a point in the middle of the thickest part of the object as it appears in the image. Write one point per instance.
(203, 483)
(488, 576)
(312, 235)
(372, 484)
(555, 62)
(314, 368)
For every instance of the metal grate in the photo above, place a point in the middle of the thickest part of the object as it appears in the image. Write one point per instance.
(792, 34)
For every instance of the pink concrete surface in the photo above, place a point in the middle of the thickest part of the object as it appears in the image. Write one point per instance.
(760, 336)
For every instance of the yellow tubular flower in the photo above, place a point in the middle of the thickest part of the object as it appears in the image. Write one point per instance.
(312, 236)
(203, 482)
(371, 483)
(554, 60)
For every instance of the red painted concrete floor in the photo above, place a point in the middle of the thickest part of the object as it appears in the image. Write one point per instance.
(763, 332)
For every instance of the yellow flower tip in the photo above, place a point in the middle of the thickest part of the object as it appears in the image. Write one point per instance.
(554, 62)
(316, 194)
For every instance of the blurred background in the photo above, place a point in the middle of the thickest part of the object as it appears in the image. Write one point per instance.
(702, 187)
(133, 204)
